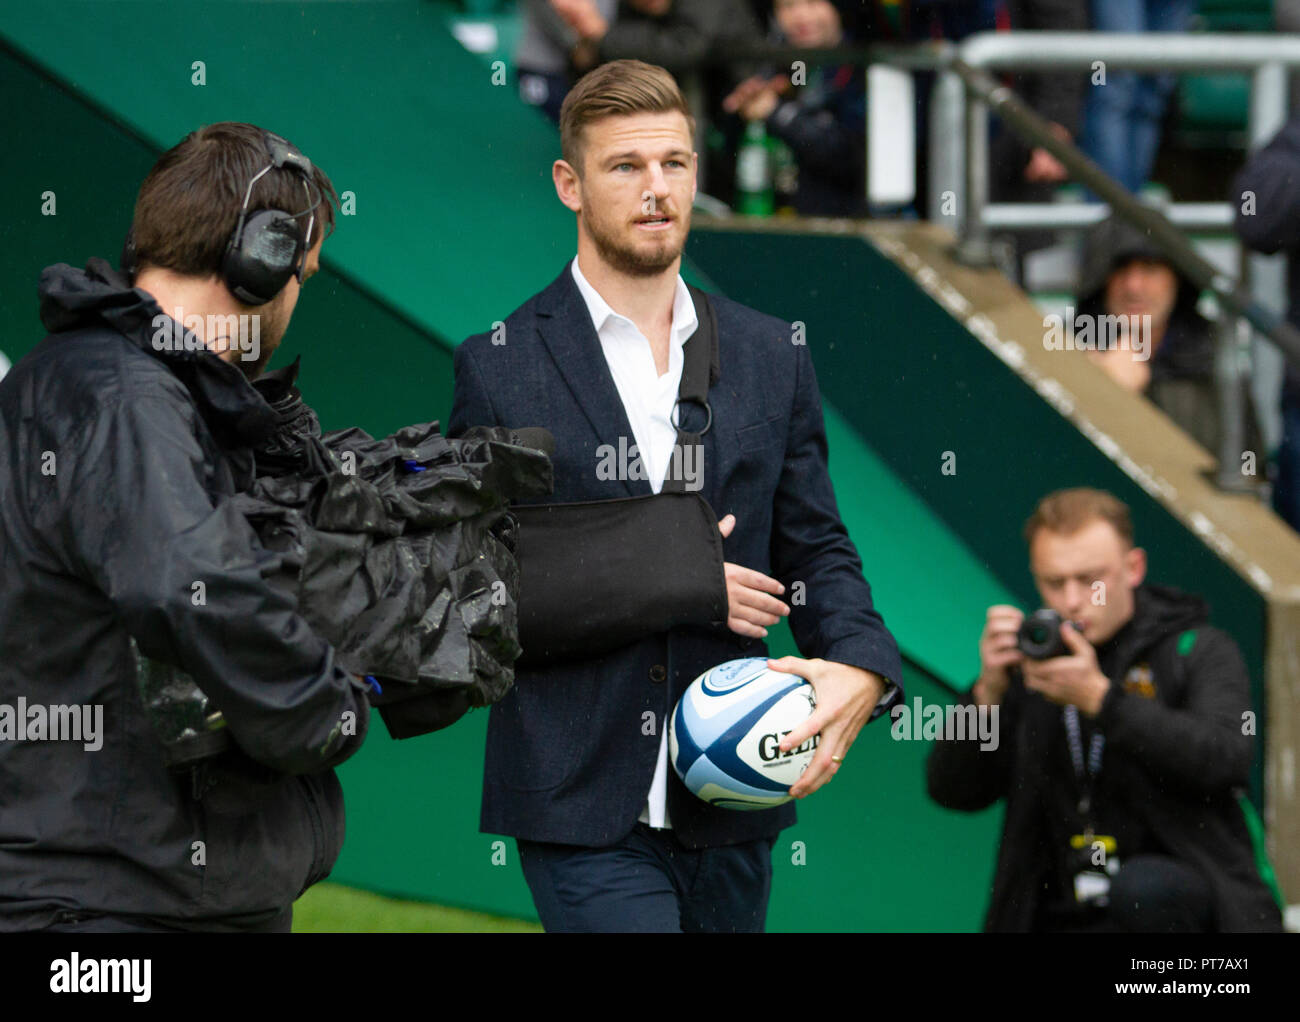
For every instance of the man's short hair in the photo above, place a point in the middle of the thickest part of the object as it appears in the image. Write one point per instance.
(619, 88)
(189, 203)
(1065, 512)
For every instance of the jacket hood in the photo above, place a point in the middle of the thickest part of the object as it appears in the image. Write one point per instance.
(1114, 242)
(100, 296)
(1187, 348)
(1161, 611)
(72, 299)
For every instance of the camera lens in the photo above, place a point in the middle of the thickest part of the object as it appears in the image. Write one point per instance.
(1039, 637)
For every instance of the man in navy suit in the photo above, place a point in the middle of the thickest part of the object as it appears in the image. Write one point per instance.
(576, 766)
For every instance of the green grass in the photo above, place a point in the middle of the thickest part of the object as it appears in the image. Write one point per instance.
(332, 908)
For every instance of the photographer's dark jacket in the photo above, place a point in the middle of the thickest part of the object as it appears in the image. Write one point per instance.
(117, 462)
(1174, 762)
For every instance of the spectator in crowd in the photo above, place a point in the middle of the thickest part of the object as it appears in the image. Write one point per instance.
(682, 36)
(1121, 759)
(678, 35)
(1124, 114)
(823, 120)
(1125, 278)
(1266, 195)
(542, 55)
(1019, 170)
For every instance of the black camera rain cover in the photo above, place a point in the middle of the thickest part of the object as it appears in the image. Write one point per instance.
(400, 552)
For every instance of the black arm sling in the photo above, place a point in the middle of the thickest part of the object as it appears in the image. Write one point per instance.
(598, 575)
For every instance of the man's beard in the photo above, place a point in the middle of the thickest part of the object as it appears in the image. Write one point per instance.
(631, 261)
(271, 329)
(253, 368)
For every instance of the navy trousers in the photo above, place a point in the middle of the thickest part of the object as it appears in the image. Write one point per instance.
(649, 883)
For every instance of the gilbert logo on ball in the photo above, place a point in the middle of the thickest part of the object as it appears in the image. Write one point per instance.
(724, 737)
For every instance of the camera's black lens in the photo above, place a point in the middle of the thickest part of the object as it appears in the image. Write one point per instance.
(1039, 637)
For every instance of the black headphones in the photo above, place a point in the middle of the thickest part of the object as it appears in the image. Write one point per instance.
(267, 247)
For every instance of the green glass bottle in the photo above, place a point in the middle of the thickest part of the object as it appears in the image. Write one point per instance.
(754, 191)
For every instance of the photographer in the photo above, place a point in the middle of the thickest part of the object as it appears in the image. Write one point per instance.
(1123, 745)
(124, 437)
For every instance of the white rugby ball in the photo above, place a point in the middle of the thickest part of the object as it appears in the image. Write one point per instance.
(724, 736)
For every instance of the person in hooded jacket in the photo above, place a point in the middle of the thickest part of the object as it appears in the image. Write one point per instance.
(1266, 196)
(1124, 275)
(1121, 759)
(123, 436)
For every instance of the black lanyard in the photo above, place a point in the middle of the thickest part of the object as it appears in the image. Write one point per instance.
(1085, 772)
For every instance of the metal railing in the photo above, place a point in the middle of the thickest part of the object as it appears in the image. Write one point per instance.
(965, 96)
(960, 117)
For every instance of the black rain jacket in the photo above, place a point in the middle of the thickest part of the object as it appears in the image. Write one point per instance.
(118, 464)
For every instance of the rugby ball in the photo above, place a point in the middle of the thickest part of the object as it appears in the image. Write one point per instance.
(724, 736)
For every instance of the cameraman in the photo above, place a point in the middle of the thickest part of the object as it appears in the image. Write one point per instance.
(1122, 749)
(124, 436)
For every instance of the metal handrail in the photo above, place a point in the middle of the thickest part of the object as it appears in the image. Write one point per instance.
(1268, 55)
(1191, 51)
(1188, 216)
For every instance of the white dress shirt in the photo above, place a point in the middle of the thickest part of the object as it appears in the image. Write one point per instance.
(648, 399)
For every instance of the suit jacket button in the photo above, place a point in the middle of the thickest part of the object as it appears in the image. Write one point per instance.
(658, 673)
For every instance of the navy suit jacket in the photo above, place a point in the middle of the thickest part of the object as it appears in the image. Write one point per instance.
(570, 755)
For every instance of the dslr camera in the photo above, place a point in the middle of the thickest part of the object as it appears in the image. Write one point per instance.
(1039, 637)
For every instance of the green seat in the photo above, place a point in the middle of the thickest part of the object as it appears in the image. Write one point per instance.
(1213, 104)
(1214, 108)
(1236, 15)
